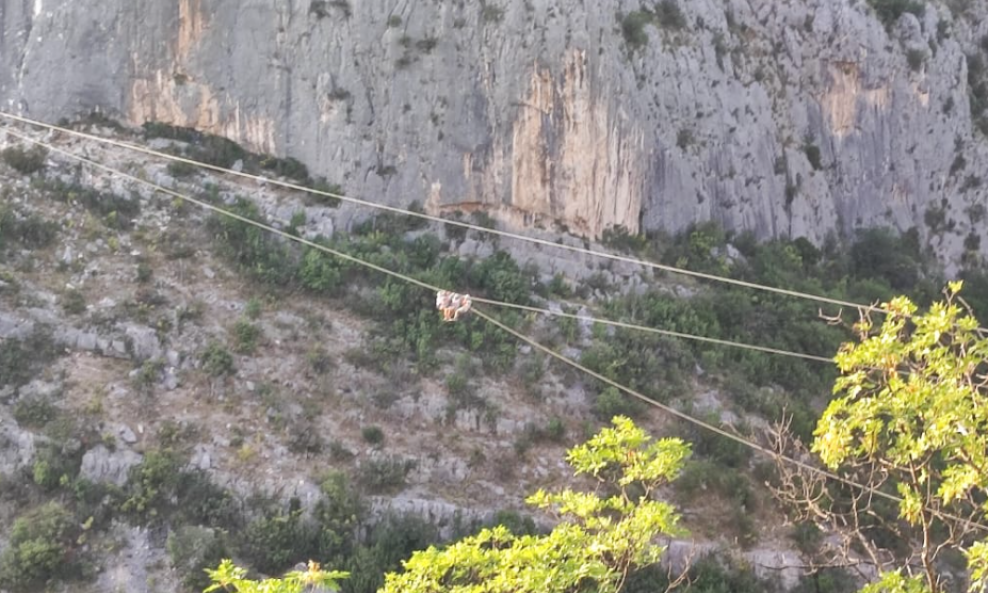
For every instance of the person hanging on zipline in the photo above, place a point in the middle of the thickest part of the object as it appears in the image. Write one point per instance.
(452, 304)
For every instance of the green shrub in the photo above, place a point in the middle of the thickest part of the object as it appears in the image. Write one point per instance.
(731, 486)
(144, 273)
(720, 449)
(152, 484)
(44, 475)
(305, 439)
(390, 542)
(343, 6)
(555, 431)
(972, 242)
(33, 232)
(611, 402)
(881, 253)
(193, 548)
(457, 386)
(277, 541)
(807, 537)
(207, 148)
(427, 44)
(22, 360)
(501, 279)
(321, 272)
(73, 302)
(34, 412)
(813, 155)
(40, 547)
(633, 28)
(515, 522)
(714, 575)
(972, 181)
(254, 251)
(26, 161)
(339, 452)
(319, 360)
(560, 287)
(288, 167)
(619, 239)
(217, 360)
(54, 468)
(202, 502)
(669, 15)
(655, 366)
(320, 184)
(252, 310)
(337, 514)
(319, 8)
(246, 336)
(373, 435)
(684, 138)
(381, 475)
(148, 376)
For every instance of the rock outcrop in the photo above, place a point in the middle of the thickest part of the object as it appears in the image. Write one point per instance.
(787, 119)
(99, 465)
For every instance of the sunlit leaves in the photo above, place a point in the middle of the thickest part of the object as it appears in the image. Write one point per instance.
(230, 578)
(895, 582)
(912, 402)
(977, 561)
(599, 539)
(909, 395)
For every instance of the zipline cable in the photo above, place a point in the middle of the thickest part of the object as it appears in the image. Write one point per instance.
(437, 219)
(527, 308)
(633, 393)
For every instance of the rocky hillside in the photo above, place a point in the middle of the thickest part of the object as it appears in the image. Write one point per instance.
(168, 375)
(788, 119)
(170, 381)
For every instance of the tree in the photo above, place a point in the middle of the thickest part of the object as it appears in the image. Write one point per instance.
(233, 579)
(601, 537)
(909, 420)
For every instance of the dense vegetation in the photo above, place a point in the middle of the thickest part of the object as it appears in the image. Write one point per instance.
(878, 264)
(409, 326)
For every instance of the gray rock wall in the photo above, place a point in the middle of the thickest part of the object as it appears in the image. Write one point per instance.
(537, 110)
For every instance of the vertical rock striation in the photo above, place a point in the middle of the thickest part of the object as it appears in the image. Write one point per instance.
(787, 119)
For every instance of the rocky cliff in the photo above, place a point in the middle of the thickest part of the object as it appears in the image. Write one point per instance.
(788, 119)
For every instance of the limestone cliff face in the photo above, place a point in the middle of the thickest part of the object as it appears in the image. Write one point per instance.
(789, 119)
